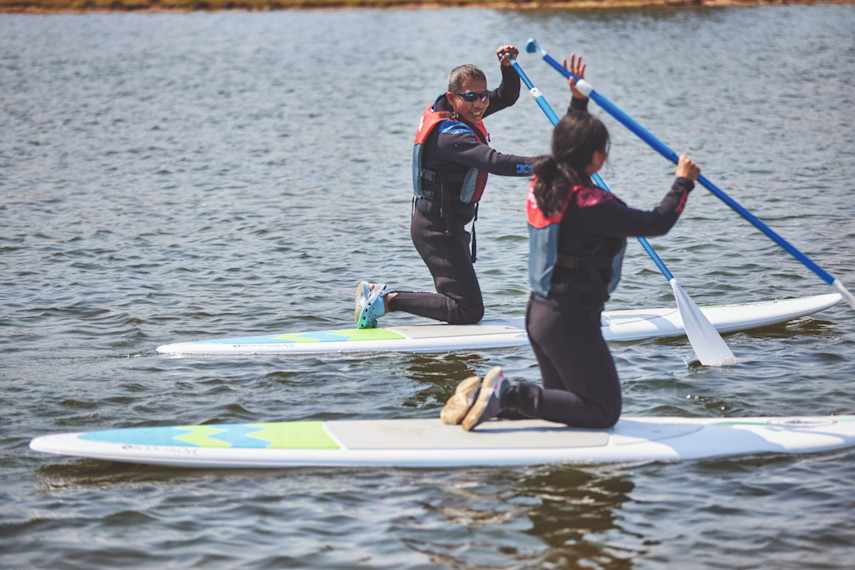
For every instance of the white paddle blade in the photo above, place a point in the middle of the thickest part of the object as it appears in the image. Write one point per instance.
(705, 340)
(844, 292)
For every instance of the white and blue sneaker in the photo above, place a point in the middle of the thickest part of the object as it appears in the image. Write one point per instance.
(363, 291)
(369, 304)
(459, 404)
(488, 404)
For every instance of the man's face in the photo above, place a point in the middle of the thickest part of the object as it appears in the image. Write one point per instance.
(474, 111)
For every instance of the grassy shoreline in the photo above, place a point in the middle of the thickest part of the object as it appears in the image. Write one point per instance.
(48, 6)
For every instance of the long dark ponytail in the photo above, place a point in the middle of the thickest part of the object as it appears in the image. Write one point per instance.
(575, 139)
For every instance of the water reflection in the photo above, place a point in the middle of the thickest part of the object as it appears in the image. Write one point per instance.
(532, 517)
(566, 513)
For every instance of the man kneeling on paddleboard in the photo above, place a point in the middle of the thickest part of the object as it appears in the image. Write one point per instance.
(577, 235)
(451, 160)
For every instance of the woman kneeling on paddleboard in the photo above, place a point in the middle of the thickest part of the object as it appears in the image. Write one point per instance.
(577, 236)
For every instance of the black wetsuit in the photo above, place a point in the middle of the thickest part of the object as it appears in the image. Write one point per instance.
(580, 385)
(438, 231)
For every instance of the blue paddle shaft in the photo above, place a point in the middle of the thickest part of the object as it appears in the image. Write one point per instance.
(535, 92)
(553, 117)
(668, 153)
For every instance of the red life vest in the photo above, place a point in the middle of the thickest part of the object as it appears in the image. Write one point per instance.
(474, 181)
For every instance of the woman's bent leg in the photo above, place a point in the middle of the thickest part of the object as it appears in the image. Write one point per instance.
(580, 382)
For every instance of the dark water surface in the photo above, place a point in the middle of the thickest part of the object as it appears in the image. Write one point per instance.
(169, 177)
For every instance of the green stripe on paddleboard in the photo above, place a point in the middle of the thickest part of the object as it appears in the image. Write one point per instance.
(294, 435)
(275, 435)
(199, 436)
(340, 335)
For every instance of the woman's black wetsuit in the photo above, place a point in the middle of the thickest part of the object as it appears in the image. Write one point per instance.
(580, 382)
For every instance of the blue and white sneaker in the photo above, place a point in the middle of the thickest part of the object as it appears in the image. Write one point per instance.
(459, 404)
(489, 401)
(372, 308)
(363, 291)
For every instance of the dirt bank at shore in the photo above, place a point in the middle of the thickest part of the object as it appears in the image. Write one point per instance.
(47, 6)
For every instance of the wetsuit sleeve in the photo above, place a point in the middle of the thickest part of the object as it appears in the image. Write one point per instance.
(613, 218)
(463, 148)
(507, 93)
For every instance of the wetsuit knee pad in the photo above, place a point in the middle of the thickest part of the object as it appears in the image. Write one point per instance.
(466, 314)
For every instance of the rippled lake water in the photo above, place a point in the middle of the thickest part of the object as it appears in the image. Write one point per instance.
(169, 177)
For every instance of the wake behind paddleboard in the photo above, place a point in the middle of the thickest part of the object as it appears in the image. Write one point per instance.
(429, 443)
(617, 326)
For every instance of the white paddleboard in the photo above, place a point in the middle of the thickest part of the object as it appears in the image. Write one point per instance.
(617, 326)
(429, 443)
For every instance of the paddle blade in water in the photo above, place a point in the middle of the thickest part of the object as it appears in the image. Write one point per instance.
(844, 292)
(705, 340)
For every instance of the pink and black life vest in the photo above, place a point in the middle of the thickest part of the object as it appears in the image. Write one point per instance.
(545, 249)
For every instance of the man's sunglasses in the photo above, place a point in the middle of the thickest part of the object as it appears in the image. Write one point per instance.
(472, 97)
